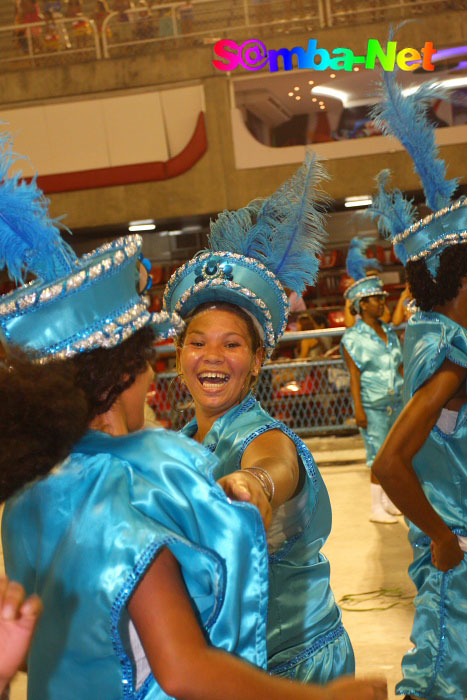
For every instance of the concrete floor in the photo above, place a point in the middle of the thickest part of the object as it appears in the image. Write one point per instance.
(364, 558)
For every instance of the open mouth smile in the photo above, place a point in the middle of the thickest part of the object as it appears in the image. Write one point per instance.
(213, 380)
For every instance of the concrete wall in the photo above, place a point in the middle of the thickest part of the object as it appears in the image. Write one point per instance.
(213, 183)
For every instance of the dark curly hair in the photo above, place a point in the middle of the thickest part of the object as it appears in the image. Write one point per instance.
(429, 292)
(46, 408)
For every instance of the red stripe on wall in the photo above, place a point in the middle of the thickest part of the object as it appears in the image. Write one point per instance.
(131, 174)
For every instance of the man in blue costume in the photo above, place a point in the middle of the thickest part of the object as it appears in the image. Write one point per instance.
(423, 462)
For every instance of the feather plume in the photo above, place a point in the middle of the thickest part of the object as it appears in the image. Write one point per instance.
(29, 239)
(405, 117)
(394, 213)
(357, 263)
(285, 231)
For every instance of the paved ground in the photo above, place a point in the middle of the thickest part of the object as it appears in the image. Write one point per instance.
(364, 558)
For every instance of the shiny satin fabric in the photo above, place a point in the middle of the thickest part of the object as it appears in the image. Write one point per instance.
(378, 362)
(303, 617)
(437, 666)
(379, 423)
(83, 538)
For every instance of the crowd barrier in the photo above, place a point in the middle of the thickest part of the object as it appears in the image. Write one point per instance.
(197, 23)
(310, 396)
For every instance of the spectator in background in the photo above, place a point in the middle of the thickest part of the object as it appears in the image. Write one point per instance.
(312, 348)
(28, 13)
(101, 11)
(81, 28)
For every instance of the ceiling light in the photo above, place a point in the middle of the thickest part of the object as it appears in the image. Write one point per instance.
(297, 97)
(331, 92)
(363, 200)
(449, 83)
(356, 69)
(314, 99)
(143, 225)
(333, 75)
(296, 88)
(322, 106)
(321, 102)
(290, 94)
(311, 82)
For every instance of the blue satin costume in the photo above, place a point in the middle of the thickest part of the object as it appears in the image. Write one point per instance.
(380, 380)
(305, 636)
(83, 538)
(437, 665)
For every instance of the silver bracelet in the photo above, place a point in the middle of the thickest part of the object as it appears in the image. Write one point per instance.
(265, 479)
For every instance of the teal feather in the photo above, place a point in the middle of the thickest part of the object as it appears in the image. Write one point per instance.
(405, 117)
(285, 232)
(394, 213)
(30, 241)
(357, 262)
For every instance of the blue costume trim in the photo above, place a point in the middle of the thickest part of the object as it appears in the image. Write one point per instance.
(316, 646)
(442, 631)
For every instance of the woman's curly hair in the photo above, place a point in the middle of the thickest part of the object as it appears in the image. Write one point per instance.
(46, 408)
(428, 291)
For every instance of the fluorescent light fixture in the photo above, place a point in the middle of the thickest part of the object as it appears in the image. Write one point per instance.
(174, 233)
(450, 83)
(363, 200)
(143, 225)
(331, 92)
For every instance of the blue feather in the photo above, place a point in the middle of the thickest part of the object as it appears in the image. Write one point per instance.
(357, 263)
(405, 117)
(285, 231)
(30, 241)
(393, 211)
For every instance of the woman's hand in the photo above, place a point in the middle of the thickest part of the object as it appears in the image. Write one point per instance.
(360, 417)
(447, 554)
(18, 619)
(243, 486)
(348, 688)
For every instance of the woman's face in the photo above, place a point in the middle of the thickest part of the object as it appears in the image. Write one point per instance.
(217, 360)
(374, 306)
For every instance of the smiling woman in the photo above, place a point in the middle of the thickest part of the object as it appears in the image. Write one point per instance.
(234, 305)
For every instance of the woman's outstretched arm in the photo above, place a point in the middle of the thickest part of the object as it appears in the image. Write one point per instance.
(187, 668)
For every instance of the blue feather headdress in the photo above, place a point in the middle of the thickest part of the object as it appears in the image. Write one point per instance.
(285, 232)
(73, 305)
(30, 241)
(357, 263)
(405, 117)
(256, 251)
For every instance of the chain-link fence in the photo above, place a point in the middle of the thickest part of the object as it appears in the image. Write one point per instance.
(310, 396)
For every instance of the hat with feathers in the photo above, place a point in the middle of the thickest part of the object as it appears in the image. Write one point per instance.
(72, 304)
(255, 252)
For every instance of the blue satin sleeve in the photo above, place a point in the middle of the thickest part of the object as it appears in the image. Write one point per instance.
(84, 537)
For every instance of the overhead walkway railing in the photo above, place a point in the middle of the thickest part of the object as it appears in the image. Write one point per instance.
(197, 23)
(204, 22)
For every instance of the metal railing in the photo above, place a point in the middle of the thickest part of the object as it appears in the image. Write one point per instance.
(345, 12)
(205, 21)
(197, 23)
(40, 43)
(310, 396)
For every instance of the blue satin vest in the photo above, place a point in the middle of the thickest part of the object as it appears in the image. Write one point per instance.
(303, 616)
(378, 362)
(83, 538)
